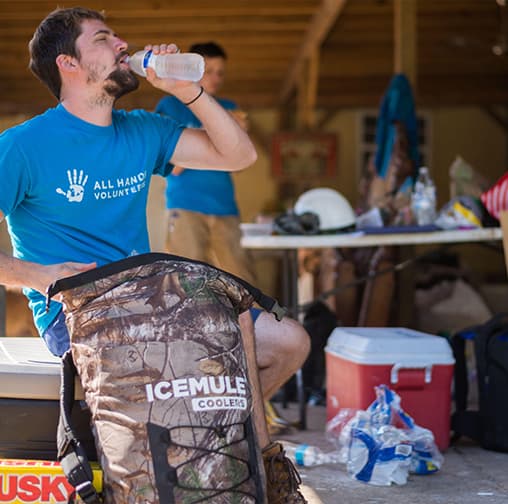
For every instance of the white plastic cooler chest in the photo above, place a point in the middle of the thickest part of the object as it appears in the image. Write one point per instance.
(416, 365)
(29, 402)
(28, 370)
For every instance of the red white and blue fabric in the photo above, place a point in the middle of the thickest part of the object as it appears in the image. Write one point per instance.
(495, 199)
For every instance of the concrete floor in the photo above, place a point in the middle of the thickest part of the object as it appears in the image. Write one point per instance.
(470, 474)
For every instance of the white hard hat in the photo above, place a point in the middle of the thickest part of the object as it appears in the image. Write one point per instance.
(334, 211)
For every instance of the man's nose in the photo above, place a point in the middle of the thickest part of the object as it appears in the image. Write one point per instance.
(121, 45)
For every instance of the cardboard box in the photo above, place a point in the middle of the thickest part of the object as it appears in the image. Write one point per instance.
(37, 481)
(416, 365)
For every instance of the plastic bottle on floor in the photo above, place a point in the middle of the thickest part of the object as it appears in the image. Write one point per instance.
(308, 455)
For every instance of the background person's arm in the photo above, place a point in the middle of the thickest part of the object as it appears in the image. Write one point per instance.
(240, 116)
(177, 170)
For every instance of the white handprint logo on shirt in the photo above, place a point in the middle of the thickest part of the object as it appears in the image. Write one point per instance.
(77, 182)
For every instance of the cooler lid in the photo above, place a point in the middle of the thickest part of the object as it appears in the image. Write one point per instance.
(388, 345)
(29, 371)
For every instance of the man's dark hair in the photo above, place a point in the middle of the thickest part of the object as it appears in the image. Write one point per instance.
(57, 34)
(208, 50)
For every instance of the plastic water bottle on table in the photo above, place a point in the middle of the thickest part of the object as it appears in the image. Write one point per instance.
(423, 199)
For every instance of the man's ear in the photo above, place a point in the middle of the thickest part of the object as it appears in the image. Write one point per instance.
(66, 63)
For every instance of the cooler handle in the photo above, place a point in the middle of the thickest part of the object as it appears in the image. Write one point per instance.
(394, 373)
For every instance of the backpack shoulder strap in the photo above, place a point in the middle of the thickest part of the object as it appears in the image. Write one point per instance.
(71, 453)
(458, 344)
(497, 322)
(268, 303)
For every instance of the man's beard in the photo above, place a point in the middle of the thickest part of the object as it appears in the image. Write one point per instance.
(120, 82)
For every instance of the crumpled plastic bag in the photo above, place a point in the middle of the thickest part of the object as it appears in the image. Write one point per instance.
(459, 213)
(383, 445)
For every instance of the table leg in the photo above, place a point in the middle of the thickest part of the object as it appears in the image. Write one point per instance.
(291, 259)
(292, 256)
(367, 291)
(286, 300)
(286, 281)
(405, 289)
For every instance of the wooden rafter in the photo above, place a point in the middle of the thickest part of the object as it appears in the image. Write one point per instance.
(321, 23)
(328, 115)
(307, 92)
(270, 46)
(500, 120)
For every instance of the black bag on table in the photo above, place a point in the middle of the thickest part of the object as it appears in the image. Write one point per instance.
(489, 424)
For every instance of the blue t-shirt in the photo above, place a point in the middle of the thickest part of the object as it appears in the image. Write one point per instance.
(207, 191)
(74, 191)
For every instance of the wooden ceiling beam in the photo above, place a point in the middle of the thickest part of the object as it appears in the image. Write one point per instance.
(456, 65)
(320, 25)
(286, 41)
(466, 7)
(498, 118)
(187, 28)
(307, 93)
(170, 14)
(326, 117)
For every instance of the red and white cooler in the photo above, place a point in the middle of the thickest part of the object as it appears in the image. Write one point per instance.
(416, 365)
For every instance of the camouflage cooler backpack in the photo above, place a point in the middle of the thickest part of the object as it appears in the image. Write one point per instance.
(156, 343)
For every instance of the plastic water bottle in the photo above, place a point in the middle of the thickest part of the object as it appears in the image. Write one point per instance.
(181, 66)
(423, 198)
(308, 455)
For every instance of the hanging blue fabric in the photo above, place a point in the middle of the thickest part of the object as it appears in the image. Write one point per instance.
(397, 105)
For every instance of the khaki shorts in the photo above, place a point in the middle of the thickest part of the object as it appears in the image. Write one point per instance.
(210, 238)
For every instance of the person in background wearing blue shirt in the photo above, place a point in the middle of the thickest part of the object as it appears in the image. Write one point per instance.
(204, 221)
(203, 215)
(75, 178)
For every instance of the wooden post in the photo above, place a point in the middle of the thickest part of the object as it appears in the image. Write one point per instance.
(405, 39)
(307, 93)
(503, 219)
(301, 96)
(322, 22)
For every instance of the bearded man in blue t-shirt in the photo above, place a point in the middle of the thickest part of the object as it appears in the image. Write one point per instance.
(75, 178)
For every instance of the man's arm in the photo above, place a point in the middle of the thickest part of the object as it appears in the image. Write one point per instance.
(19, 273)
(239, 116)
(221, 144)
